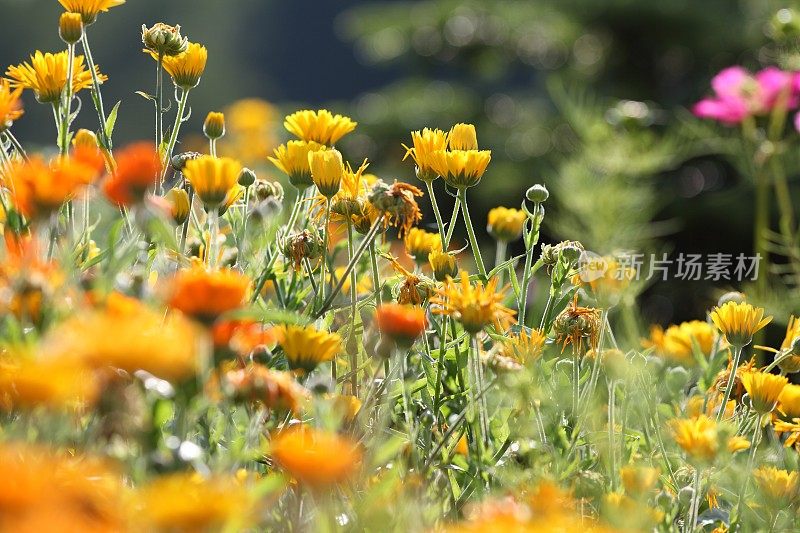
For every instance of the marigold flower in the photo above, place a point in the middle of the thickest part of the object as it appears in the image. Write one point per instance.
(524, 346)
(188, 502)
(425, 143)
(506, 224)
(442, 264)
(86, 150)
(793, 430)
(205, 295)
(420, 243)
(214, 125)
(779, 487)
(737, 443)
(639, 480)
(789, 400)
(790, 364)
(274, 389)
(576, 324)
(89, 9)
(212, 178)
(306, 347)
(676, 343)
(53, 384)
(463, 137)
(698, 437)
(138, 168)
(317, 459)
(402, 323)
(46, 75)
(764, 389)
(461, 169)
(186, 68)
(474, 306)
(70, 27)
(327, 170)
(319, 126)
(38, 189)
(179, 207)
(293, 160)
(739, 321)
(10, 104)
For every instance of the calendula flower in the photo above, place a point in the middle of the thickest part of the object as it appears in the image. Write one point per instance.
(474, 306)
(10, 104)
(461, 169)
(789, 400)
(188, 502)
(234, 195)
(630, 514)
(524, 346)
(506, 224)
(397, 204)
(306, 347)
(424, 144)
(319, 126)
(723, 377)
(179, 207)
(292, 159)
(212, 178)
(28, 384)
(792, 429)
(764, 389)
(205, 295)
(327, 170)
(38, 188)
(698, 438)
(317, 459)
(442, 264)
(737, 443)
(273, 389)
(214, 125)
(779, 487)
(46, 75)
(86, 150)
(402, 323)
(676, 344)
(739, 321)
(89, 9)
(420, 243)
(70, 27)
(363, 283)
(790, 364)
(138, 168)
(639, 480)
(463, 137)
(577, 324)
(164, 40)
(186, 68)
(606, 279)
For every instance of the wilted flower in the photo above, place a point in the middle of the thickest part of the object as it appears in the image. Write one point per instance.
(397, 202)
(739, 321)
(319, 126)
(205, 295)
(316, 458)
(302, 246)
(475, 306)
(577, 324)
(46, 75)
(307, 347)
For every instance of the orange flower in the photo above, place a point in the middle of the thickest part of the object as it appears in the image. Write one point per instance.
(403, 323)
(138, 169)
(52, 384)
(10, 104)
(206, 295)
(316, 458)
(276, 390)
(38, 189)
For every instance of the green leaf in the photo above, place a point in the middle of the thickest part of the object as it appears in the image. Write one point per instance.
(111, 121)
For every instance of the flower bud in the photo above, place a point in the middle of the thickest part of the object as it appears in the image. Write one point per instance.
(268, 190)
(463, 137)
(179, 160)
(214, 126)
(164, 40)
(179, 205)
(537, 194)
(571, 252)
(732, 296)
(85, 139)
(70, 27)
(247, 177)
(442, 264)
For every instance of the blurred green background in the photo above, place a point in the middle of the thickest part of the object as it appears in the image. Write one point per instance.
(545, 81)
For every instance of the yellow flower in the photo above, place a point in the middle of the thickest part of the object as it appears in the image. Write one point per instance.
(792, 428)
(463, 137)
(739, 321)
(46, 75)
(737, 443)
(212, 178)
(320, 126)
(605, 278)
(697, 437)
(506, 224)
(214, 125)
(524, 347)
(764, 389)
(187, 502)
(307, 347)
(179, 207)
(676, 344)
(10, 104)
(70, 27)
(790, 364)
(293, 160)
(327, 170)
(187, 67)
(779, 487)
(54, 384)
(425, 143)
(89, 9)
(474, 306)
(461, 169)
(442, 263)
(363, 283)
(638, 480)
(419, 243)
(790, 400)
(316, 458)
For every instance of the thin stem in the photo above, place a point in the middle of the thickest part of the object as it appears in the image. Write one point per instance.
(473, 241)
(159, 101)
(97, 95)
(748, 473)
(437, 398)
(499, 257)
(451, 227)
(435, 206)
(376, 276)
(737, 353)
(612, 453)
(213, 245)
(325, 237)
(353, 300)
(531, 238)
(67, 102)
(694, 506)
(173, 137)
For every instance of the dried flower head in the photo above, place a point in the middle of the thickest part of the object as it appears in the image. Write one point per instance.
(397, 203)
(577, 324)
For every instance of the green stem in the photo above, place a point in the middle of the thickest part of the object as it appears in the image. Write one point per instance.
(67, 102)
(694, 505)
(499, 257)
(531, 238)
(436, 211)
(737, 353)
(325, 237)
(452, 226)
(612, 422)
(173, 137)
(159, 101)
(213, 244)
(353, 300)
(97, 95)
(473, 241)
(376, 276)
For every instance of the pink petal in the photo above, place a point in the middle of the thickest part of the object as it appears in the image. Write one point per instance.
(728, 111)
(729, 81)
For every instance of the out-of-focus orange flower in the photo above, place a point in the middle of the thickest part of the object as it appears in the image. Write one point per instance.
(318, 459)
(27, 384)
(276, 390)
(205, 295)
(86, 151)
(402, 323)
(38, 188)
(138, 170)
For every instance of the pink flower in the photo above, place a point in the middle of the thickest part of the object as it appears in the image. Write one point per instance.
(797, 121)
(774, 85)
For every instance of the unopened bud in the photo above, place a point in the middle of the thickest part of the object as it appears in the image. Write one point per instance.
(70, 27)
(538, 194)
(179, 205)
(179, 160)
(214, 125)
(164, 40)
(247, 177)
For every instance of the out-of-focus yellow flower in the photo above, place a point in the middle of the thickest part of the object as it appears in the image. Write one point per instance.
(274, 389)
(764, 389)
(46, 75)
(401, 323)
(524, 346)
(506, 224)
(463, 137)
(419, 243)
(347, 405)
(186, 68)
(698, 437)
(424, 144)
(212, 178)
(790, 364)
(676, 342)
(606, 279)
(779, 487)
(28, 384)
(461, 169)
(789, 400)
(10, 104)
(317, 459)
(442, 264)
(293, 160)
(319, 126)
(89, 9)
(327, 170)
(363, 283)
(475, 306)
(630, 514)
(639, 480)
(792, 428)
(739, 321)
(38, 188)
(187, 502)
(250, 130)
(307, 347)
(205, 295)
(138, 167)
(737, 443)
